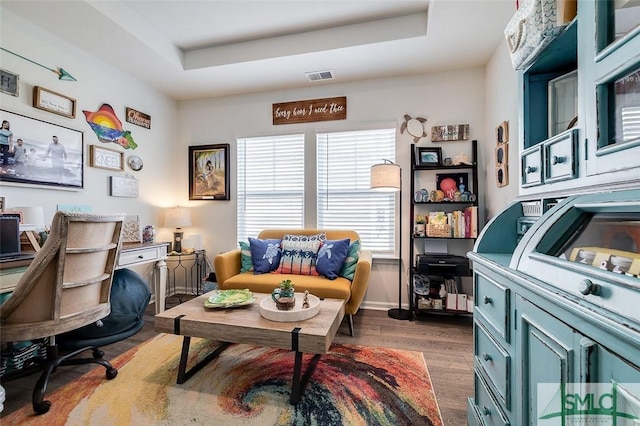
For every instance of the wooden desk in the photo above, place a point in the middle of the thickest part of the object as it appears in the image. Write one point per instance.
(131, 254)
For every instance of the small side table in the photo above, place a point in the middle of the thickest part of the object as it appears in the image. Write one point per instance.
(186, 272)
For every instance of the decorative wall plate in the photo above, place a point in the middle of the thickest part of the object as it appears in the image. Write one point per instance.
(135, 163)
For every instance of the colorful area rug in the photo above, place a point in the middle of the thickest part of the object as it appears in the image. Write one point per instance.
(246, 385)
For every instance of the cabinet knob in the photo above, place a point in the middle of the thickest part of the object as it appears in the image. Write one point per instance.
(487, 357)
(557, 160)
(140, 256)
(531, 169)
(487, 300)
(486, 411)
(588, 287)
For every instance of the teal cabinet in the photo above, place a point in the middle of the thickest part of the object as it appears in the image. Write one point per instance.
(591, 71)
(556, 324)
(547, 357)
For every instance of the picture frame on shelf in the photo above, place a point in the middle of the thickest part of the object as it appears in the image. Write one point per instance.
(209, 172)
(429, 156)
(9, 83)
(105, 158)
(450, 183)
(55, 166)
(54, 102)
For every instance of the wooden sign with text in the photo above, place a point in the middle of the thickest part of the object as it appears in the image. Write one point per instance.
(325, 109)
(138, 118)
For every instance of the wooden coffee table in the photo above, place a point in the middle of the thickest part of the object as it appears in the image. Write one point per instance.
(246, 325)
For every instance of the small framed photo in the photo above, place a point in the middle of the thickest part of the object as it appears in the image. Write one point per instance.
(105, 158)
(9, 83)
(429, 156)
(209, 172)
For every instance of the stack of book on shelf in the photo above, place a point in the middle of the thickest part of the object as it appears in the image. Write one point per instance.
(457, 224)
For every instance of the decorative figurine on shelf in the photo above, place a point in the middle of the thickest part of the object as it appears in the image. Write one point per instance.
(305, 301)
(461, 185)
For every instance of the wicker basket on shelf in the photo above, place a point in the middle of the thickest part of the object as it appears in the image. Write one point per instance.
(438, 230)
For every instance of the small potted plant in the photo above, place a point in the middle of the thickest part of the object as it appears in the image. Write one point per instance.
(284, 296)
(420, 225)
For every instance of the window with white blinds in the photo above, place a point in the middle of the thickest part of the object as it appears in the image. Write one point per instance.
(270, 184)
(344, 198)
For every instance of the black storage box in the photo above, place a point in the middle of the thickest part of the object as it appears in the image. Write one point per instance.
(443, 264)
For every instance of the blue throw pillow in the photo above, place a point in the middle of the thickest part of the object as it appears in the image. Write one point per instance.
(331, 257)
(349, 267)
(246, 264)
(265, 254)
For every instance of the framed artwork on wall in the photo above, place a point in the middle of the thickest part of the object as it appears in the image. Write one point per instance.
(9, 83)
(209, 172)
(41, 153)
(48, 100)
(105, 158)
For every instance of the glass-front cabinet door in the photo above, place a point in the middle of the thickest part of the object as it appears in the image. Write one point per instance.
(611, 83)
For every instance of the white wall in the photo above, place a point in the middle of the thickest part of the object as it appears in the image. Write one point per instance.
(98, 83)
(501, 104)
(455, 97)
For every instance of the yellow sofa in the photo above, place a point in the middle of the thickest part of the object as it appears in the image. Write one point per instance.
(227, 267)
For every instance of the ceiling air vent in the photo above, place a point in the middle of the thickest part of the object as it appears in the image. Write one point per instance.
(320, 75)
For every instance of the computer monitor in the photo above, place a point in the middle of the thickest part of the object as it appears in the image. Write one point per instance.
(9, 235)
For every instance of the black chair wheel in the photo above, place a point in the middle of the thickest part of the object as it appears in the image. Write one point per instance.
(97, 353)
(41, 407)
(111, 373)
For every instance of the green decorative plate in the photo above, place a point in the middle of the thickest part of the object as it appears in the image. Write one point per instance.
(229, 299)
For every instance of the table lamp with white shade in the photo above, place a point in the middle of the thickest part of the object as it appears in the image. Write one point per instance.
(177, 217)
(387, 177)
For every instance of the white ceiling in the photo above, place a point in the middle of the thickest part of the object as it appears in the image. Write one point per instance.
(209, 48)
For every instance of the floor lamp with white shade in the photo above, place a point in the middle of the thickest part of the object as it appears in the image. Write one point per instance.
(387, 177)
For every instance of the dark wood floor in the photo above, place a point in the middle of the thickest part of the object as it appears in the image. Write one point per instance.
(446, 342)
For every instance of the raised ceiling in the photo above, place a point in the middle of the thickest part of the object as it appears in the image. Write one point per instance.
(201, 49)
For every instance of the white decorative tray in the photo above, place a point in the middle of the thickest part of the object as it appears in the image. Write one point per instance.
(269, 310)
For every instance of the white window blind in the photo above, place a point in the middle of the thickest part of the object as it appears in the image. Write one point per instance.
(270, 184)
(345, 200)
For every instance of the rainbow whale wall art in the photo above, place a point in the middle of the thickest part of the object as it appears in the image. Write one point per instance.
(108, 128)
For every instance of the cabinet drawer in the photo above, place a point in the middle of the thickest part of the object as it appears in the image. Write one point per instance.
(132, 257)
(486, 406)
(492, 302)
(531, 166)
(560, 157)
(495, 362)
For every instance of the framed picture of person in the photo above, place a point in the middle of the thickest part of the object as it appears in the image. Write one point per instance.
(36, 152)
(209, 172)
